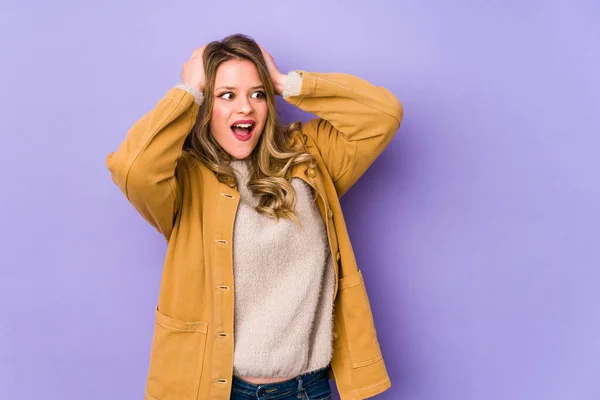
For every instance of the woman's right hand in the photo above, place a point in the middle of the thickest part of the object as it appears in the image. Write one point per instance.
(193, 70)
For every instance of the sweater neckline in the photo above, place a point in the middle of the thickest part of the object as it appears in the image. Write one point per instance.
(241, 167)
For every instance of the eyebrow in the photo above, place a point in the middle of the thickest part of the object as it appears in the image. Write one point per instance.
(233, 87)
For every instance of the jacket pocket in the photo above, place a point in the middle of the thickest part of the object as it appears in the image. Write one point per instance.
(358, 321)
(176, 359)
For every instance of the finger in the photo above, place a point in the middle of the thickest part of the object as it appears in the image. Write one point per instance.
(262, 49)
(198, 50)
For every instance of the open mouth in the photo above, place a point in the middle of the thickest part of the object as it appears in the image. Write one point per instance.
(243, 131)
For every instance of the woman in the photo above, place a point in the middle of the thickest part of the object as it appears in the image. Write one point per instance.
(239, 198)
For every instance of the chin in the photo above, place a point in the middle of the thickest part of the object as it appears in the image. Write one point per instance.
(240, 155)
(240, 150)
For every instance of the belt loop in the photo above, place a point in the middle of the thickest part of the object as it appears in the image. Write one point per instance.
(300, 388)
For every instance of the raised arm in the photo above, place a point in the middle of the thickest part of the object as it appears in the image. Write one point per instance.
(144, 165)
(357, 120)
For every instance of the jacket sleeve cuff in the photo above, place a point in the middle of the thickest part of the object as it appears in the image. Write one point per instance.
(293, 84)
(198, 95)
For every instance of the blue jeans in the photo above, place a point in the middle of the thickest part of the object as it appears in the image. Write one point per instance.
(312, 385)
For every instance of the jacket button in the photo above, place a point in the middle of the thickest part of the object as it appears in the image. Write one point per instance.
(336, 336)
(330, 213)
(311, 172)
(338, 256)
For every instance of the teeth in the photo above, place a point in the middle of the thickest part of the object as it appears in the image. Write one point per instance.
(243, 125)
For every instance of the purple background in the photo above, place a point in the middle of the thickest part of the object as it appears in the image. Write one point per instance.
(477, 229)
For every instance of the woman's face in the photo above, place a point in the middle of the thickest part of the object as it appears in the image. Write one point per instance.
(240, 108)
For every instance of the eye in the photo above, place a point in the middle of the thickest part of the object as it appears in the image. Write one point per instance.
(260, 93)
(223, 96)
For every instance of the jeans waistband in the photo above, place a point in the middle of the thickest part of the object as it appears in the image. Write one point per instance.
(279, 388)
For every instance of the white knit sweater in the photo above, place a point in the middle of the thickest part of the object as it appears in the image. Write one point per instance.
(283, 280)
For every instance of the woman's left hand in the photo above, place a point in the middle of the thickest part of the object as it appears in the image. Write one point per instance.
(277, 77)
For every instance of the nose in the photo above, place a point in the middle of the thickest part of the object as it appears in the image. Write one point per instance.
(244, 106)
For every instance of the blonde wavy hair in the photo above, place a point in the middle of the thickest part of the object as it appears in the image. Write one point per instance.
(276, 152)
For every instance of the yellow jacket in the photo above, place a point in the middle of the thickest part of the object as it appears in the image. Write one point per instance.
(192, 348)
